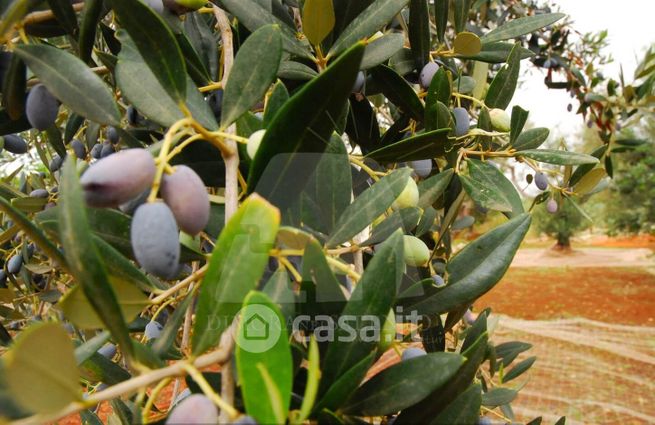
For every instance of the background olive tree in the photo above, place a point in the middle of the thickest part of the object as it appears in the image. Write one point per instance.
(200, 162)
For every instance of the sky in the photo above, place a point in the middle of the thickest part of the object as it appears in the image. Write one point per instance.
(630, 31)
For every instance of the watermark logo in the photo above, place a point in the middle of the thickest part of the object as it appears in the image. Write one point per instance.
(260, 329)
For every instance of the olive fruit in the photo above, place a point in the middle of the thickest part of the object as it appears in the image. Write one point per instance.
(388, 332)
(422, 168)
(107, 149)
(500, 120)
(412, 353)
(359, 82)
(186, 195)
(408, 197)
(551, 206)
(108, 350)
(416, 251)
(180, 7)
(469, 317)
(15, 144)
(462, 121)
(3, 279)
(41, 108)
(541, 181)
(152, 330)
(254, 141)
(78, 148)
(14, 264)
(117, 179)
(39, 193)
(483, 420)
(181, 396)
(96, 151)
(215, 101)
(156, 5)
(155, 239)
(245, 420)
(438, 281)
(112, 135)
(55, 163)
(195, 409)
(427, 73)
(133, 117)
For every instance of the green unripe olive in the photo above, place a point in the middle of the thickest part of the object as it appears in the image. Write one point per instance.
(254, 141)
(408, 197)
(192, 4)
(417, 253)
(180, 7)
(388, 332)
(500, 120)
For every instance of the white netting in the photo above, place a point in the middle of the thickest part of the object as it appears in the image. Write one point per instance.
(591, 372)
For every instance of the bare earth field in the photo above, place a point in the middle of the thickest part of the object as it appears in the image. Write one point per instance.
(590, 316)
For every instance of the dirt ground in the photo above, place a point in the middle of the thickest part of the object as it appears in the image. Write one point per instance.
(619, 295)
(585, 257)
(590, 315)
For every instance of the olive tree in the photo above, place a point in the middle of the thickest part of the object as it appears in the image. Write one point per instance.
(266, 188)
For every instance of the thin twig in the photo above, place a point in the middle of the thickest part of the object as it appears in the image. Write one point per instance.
(231, 185)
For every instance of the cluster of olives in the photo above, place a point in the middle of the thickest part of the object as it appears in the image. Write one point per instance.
(541, 181)
(500, 120)
(416, 252)
(125, 176)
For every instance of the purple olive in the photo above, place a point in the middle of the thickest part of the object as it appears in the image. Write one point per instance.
(41, 108)
(79, 148)
(438, 281)
(14, 264)
(15, 144)
(245, 420)
(541, 181)
(152, 330)
(96, 151)
(552, 206)
(112, 135)
(412, 353)
(133, 117)
(108, 350)
(55, 163)
(39, 193)
(107, 149)
(422, 168)
(155, 239)
(427, 73)
(462, 121)
(117, 179)
(469, 317)
(215, 101)
(195, 409)
(359, 82)
(186, 195)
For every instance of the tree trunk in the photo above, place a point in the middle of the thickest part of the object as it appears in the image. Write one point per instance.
(563, 242)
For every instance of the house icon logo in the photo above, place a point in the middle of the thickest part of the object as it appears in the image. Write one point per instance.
(259, 328)
(256, 328)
